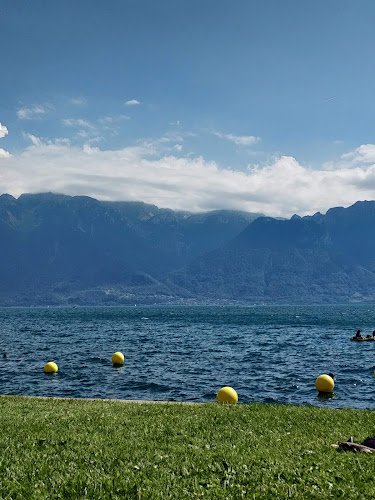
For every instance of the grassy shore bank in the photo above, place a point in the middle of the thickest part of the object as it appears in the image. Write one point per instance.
(102, 449)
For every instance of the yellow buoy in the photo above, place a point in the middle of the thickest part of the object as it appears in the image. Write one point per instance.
(227, 395)
(51, 367)
(324, 383)
(118, 358)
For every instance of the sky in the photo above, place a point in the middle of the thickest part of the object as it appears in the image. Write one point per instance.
(256, 105)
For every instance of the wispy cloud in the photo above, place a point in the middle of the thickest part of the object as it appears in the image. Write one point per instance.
(38, 142)
(105, 120)
(77, 123)
(132, 102)
(97, 130)
(89, 139)
(33, 139)
(32, 112)
(168, 143)
(78, 101)
(239, 140)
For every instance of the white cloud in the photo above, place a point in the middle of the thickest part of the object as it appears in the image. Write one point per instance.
(89, 150)
(3, 153)
(132, 102)
(363, 154)
(144, 172)
(32, 112)
(3, 133)
(3, 130)
(239, 140)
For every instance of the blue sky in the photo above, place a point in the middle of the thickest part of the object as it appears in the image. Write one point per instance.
(197, 105)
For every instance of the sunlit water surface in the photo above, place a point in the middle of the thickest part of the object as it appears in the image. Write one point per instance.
(271, 354)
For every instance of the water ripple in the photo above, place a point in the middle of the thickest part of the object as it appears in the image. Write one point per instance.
(270, 354)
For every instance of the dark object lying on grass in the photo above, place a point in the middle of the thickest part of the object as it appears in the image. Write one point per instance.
(368, 445)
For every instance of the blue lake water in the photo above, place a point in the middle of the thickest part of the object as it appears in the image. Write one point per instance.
(271, 354)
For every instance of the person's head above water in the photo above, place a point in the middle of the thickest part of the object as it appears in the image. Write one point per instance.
(331, 375)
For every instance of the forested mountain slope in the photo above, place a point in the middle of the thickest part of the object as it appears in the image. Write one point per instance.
(320, 258)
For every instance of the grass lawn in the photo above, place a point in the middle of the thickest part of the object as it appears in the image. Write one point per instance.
(103, 449)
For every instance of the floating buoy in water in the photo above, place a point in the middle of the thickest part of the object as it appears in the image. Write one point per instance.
(324, 383)
(227, 395)
(118, 358)
(51, 367)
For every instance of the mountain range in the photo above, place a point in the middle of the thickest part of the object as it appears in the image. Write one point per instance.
(62, 250)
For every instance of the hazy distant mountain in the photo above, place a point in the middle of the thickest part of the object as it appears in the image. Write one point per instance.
(57, 249)
(61, 249)
(182, 233)
(322, 258)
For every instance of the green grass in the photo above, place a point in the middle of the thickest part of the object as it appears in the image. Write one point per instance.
(102, 449)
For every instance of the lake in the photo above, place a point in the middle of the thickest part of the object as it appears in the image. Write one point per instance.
(177, 353)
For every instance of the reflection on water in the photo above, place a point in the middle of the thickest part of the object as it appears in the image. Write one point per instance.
(323, 396)
(187, 353)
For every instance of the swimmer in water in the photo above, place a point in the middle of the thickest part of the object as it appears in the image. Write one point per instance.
(4, 355)
(331, 375)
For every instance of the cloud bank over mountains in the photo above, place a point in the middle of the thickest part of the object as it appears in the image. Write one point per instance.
(151, 171)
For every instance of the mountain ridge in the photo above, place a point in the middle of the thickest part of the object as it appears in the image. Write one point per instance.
(319, 259)
(61, 250)
(56, 246)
